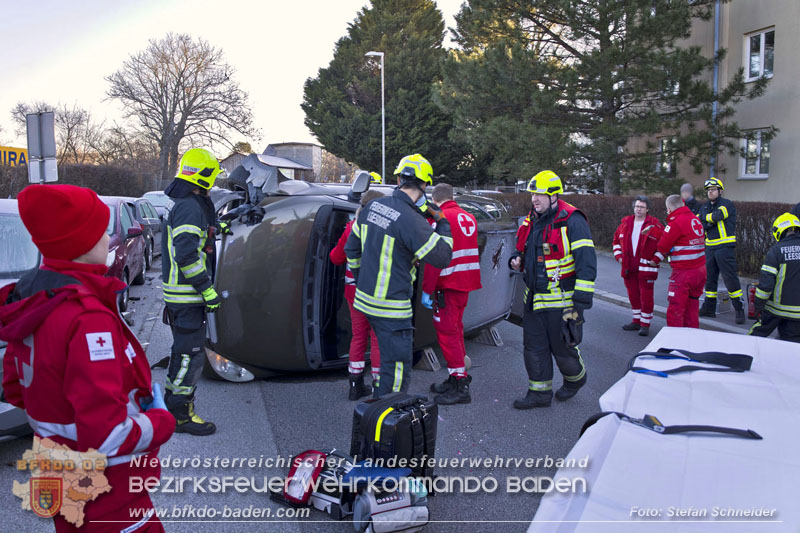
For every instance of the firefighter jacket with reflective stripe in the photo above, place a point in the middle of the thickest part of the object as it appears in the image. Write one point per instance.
(74, 366)
(388, 236)
(188, 253)
(719, 221)
(682, 241)
(338, 257)
(779, 283)
(464, 271)
(633, 263)
(559, 259)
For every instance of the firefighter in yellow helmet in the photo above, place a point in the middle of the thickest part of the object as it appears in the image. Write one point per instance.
(778, 292)
(389, 235)
(718, 216)
(375, 178)
(556, 254)
(188, 251)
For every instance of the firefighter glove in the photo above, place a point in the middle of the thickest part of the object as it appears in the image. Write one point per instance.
(212, 300)
(433, 211)
(572, 326)
(225, 228)
(427, 301)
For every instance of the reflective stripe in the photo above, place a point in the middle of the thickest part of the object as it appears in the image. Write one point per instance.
(736, 294)
(459, 370)
(762, 294)
(459, 268)
(709, 218)
(617, 247)
(354, 263)
(398, 376)
(690, 247)
(648, 269)
(396, 304)
(194, 269)
(355, 229)
(724, 211)
(715, 242)
(583, 285)
(429, 245)
(187, 228)
(146, 427)
(466, 252)
(582, 243)
(769, 269)
(184, 289)
(779, 287)
(540, 385)
(50, 429)
(116, 437)
(686, 257)
(660, 256)
(385, 267)
(187, 299)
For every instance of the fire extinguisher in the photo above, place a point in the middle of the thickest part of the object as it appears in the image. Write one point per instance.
(751, 300)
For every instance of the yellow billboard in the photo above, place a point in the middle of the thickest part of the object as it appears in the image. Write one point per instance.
(13, 156)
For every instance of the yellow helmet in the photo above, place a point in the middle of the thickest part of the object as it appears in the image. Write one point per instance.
(200, 167)
(375, 178)
(545, 182)
(415, 166)
(713, 182)
(782, 223)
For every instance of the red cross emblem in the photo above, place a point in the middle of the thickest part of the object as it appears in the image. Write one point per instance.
(697, 227)
(101, 341)
(466, 224)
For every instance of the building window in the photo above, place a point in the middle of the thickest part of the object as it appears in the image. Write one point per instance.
(755, 155)
(759, 54)
(666, 156)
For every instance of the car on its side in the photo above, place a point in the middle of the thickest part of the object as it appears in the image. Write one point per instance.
(160, 201)
(17, 255)
(126, 247)
(147, 217)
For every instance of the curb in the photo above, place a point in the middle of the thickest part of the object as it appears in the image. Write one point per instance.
(661, 311)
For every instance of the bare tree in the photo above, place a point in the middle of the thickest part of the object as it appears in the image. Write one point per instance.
(124, 147)
(180, 88)
(75, 130)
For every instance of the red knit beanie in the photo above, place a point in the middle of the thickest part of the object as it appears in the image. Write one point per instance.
(65, 221)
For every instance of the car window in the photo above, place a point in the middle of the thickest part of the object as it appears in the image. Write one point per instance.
(17, 251)
(475, 211)
(112, 220)
(158, 198)
(126, 219)
(150, 209)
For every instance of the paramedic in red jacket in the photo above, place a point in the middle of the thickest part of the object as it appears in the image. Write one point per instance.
(635, 244)
(446, 291)
(358, 320)
(684, 242)
(88, 385)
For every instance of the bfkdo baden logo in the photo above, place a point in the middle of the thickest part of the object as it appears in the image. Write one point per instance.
(46, 495)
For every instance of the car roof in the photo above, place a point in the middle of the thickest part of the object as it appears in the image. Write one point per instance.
(9, 205)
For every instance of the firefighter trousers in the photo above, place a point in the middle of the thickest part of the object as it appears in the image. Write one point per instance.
(449, 325)
(640, 294)
(722, 260)
(683, 297)
(396, 342)
(788, 329)
(542, 341)
(188, 352)
(362, 332)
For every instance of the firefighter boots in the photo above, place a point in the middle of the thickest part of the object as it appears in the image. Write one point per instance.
(534, 399)
(709, 308)
(644, 331)
(357, 387)
(739, 306)
(186, 420)
(633, 326)
(444, 387)
(457, 394)
(569, 389)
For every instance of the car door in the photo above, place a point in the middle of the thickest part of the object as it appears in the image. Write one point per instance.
(134, 246)
(149, 217)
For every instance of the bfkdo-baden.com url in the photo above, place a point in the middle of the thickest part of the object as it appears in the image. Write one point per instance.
(225, 512)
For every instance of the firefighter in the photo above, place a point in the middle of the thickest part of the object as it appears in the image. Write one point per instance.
(375, 178)
(718, 216)
(556, 254)
(687, 194)
(89, 384)
(360, 325)
(634, 245)
(683, 240)
(188, 250)
(778, 292)
(386, 240)
(446, 291)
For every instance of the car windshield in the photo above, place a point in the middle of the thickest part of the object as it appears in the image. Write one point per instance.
(112, 220)
(17, 251)
(158, 199)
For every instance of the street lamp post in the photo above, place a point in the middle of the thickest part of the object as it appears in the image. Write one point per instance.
(383, 119)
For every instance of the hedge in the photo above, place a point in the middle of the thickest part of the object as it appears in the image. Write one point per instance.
(753, 222)
(103, 179)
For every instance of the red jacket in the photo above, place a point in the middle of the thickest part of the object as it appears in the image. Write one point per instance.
(464, 271)
(76, 369)
(645, 249)
(339, 258)
(683, 240)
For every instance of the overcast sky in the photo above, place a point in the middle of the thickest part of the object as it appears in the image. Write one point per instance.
(58, 51)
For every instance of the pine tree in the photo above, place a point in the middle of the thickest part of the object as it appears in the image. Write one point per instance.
(570, 83)
(343, 103)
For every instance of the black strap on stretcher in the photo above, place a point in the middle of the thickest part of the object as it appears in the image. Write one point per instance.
(727, 362)
(654, 424)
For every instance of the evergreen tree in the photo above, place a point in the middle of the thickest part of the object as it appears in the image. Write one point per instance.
(569, 84)
(343, 103)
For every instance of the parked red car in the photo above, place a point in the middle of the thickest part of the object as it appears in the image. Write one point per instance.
(126, 249)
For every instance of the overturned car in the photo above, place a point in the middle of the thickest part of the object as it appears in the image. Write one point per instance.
(283, 300)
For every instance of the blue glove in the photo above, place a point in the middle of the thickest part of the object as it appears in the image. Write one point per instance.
(156, 402)
(426, 300)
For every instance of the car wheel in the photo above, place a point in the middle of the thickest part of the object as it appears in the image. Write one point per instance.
(122, 298)
(148, 255)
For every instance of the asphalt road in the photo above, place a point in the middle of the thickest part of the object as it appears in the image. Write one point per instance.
(280, 417)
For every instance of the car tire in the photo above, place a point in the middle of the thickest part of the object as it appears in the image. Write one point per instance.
(122, 298)
(139, 279)
(148, 255)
